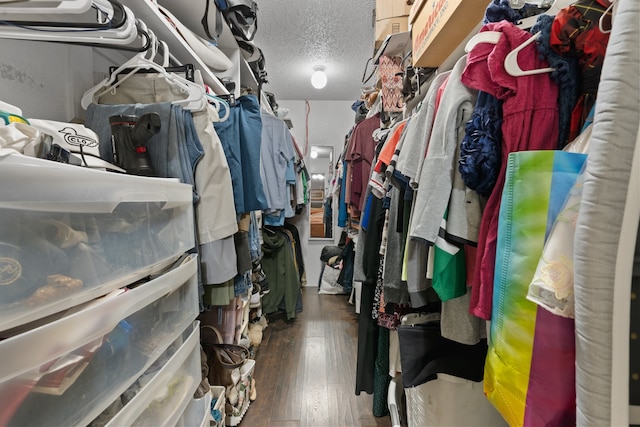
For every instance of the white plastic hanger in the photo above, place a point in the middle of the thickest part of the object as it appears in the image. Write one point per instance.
(216, 103)
(482, 37)
(195, 93)
(100, 11)
(601, 20)
(493, 36)
(165, 53)
(511, 61)
(40, 7)
(89, 96)
(125, 35)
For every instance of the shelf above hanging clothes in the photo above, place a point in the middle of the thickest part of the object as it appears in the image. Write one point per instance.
(246, 75)
(191, 14)
(152, 16)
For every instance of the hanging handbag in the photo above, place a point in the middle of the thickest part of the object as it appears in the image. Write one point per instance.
(329, 280)
(530, 366)
(390, 74)
(224, 360)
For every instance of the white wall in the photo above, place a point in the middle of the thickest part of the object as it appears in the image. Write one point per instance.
(45, 80)
(329, 122)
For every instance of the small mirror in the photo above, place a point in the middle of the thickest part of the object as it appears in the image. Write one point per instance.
(320, 201)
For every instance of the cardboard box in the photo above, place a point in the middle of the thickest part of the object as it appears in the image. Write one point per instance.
(415, 8)
(440, 26)
(386, 9)
(390, 26)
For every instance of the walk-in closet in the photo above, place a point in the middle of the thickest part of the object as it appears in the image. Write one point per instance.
(372, 213)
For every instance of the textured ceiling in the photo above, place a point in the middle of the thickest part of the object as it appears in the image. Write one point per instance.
(296, 35)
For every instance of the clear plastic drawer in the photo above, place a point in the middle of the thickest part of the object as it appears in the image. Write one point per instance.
(167, 394)
(65, 373)
(70, 234)
(198, 413)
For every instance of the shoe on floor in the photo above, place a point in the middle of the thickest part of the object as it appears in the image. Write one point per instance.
(254, 393)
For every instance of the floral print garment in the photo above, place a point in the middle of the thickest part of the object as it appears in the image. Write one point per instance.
(552, 284)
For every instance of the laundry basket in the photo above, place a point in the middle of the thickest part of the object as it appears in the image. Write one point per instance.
(218, 406)
(243, 390)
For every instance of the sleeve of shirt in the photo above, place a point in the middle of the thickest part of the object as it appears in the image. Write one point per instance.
(290, 173)
(286, 145)
(567, 25)
(355, 150)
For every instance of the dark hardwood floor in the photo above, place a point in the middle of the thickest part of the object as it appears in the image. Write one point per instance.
(305, 369)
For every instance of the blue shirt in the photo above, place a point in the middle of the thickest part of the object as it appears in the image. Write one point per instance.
(276, 153)
(241, 138)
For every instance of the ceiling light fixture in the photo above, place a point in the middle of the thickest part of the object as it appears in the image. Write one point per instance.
(314, 154)
(318, 78)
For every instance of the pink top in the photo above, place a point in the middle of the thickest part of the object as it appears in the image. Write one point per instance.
(530, 122)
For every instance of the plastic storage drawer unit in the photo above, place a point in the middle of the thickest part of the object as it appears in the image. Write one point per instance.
(127, 401)
(65, 373)
(165, 397)
(198, 413)
(70, 234)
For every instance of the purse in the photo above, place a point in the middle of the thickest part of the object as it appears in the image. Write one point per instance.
(224, 360)
(329, 281)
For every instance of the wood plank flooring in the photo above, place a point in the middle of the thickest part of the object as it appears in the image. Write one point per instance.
(305, 369)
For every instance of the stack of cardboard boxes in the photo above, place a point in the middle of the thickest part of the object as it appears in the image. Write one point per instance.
(439, 26)
(392, 16)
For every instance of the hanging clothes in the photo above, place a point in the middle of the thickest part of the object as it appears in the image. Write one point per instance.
(530, 122)
(277, 156)
(479, 161)
(575, 33)
(298, 248)
(413, 153)
(424, 353)
(279, 266)
(395, 289)
(566, 75)
(241, 136)
(367, 256)
(360, 156)
(419, 132)
(183, 135)
(437, 176)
